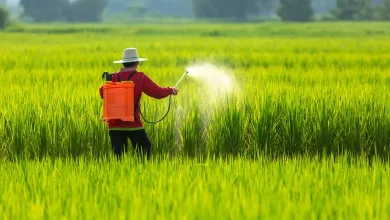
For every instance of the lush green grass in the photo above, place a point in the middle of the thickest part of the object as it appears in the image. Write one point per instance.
(299, 188)
(308, 89)
(296, 95)
(201, 29)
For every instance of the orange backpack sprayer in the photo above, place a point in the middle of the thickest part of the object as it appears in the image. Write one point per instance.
(118, 99)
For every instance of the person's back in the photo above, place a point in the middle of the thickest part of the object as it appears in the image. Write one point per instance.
(121, 130)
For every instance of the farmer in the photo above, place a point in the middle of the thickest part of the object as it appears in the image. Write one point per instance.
(120, 130)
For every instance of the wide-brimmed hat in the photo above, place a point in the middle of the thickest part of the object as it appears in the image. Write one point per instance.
(130, 55)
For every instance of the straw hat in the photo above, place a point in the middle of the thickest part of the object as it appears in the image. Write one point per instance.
(130, 55)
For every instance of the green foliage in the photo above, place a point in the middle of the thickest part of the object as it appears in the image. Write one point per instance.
(299, 90)
(383, 11)
(174, 188)
(386, 10)
(237, 10)
(87, 10)
(45, 10)
(4, 18)
(295, 10)
(63, 10)
(137, 9)
(353, 10)
(309, 89)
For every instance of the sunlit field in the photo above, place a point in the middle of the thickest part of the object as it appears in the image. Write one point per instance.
(297, 188)
(302, 130)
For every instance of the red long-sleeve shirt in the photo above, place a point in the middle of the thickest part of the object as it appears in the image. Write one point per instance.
(143, 84)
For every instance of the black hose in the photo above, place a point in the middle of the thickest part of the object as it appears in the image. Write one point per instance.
(153, 122)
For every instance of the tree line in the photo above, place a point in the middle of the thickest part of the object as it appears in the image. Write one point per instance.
(292, 10)
(234, 10)
(63, 10)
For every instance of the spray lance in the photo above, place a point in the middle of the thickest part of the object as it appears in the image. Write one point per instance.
(169, 105)
(181, 79)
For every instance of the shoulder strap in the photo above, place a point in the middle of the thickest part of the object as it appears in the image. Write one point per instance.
(128, 78)
(132, 74)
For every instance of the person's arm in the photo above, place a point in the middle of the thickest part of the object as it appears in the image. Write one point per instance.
(151, 89)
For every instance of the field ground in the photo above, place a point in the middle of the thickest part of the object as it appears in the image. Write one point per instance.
(304, 134)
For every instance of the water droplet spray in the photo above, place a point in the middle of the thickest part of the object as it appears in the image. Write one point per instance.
(216, 83)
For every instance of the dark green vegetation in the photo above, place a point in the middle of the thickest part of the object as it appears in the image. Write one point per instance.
(63, 10)
(228, 10)
(4, 18)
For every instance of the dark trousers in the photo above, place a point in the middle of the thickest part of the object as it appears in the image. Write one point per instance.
(139, 139)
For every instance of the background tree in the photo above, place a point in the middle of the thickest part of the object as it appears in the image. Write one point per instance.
(295, 10)
(383, 10)
(322, 6)
(352, 10)
(64, 10)
(4, 18)
(86, 10)
(45, 10)
(137, 9)
(237, 10)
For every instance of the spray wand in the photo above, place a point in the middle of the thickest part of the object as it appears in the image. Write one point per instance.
(181, 79)
(169, 105)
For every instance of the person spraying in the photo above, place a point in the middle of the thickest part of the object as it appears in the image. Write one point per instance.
(120, 131)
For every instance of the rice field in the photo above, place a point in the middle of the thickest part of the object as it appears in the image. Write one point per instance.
(299, 188)
(302, 132)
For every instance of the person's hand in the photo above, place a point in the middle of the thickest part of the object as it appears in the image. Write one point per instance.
(175, 91)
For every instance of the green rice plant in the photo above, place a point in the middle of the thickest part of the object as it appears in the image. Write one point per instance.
(311, 95)
(299, 188)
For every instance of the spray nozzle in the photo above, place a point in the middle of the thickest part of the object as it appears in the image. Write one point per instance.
(181, 78)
